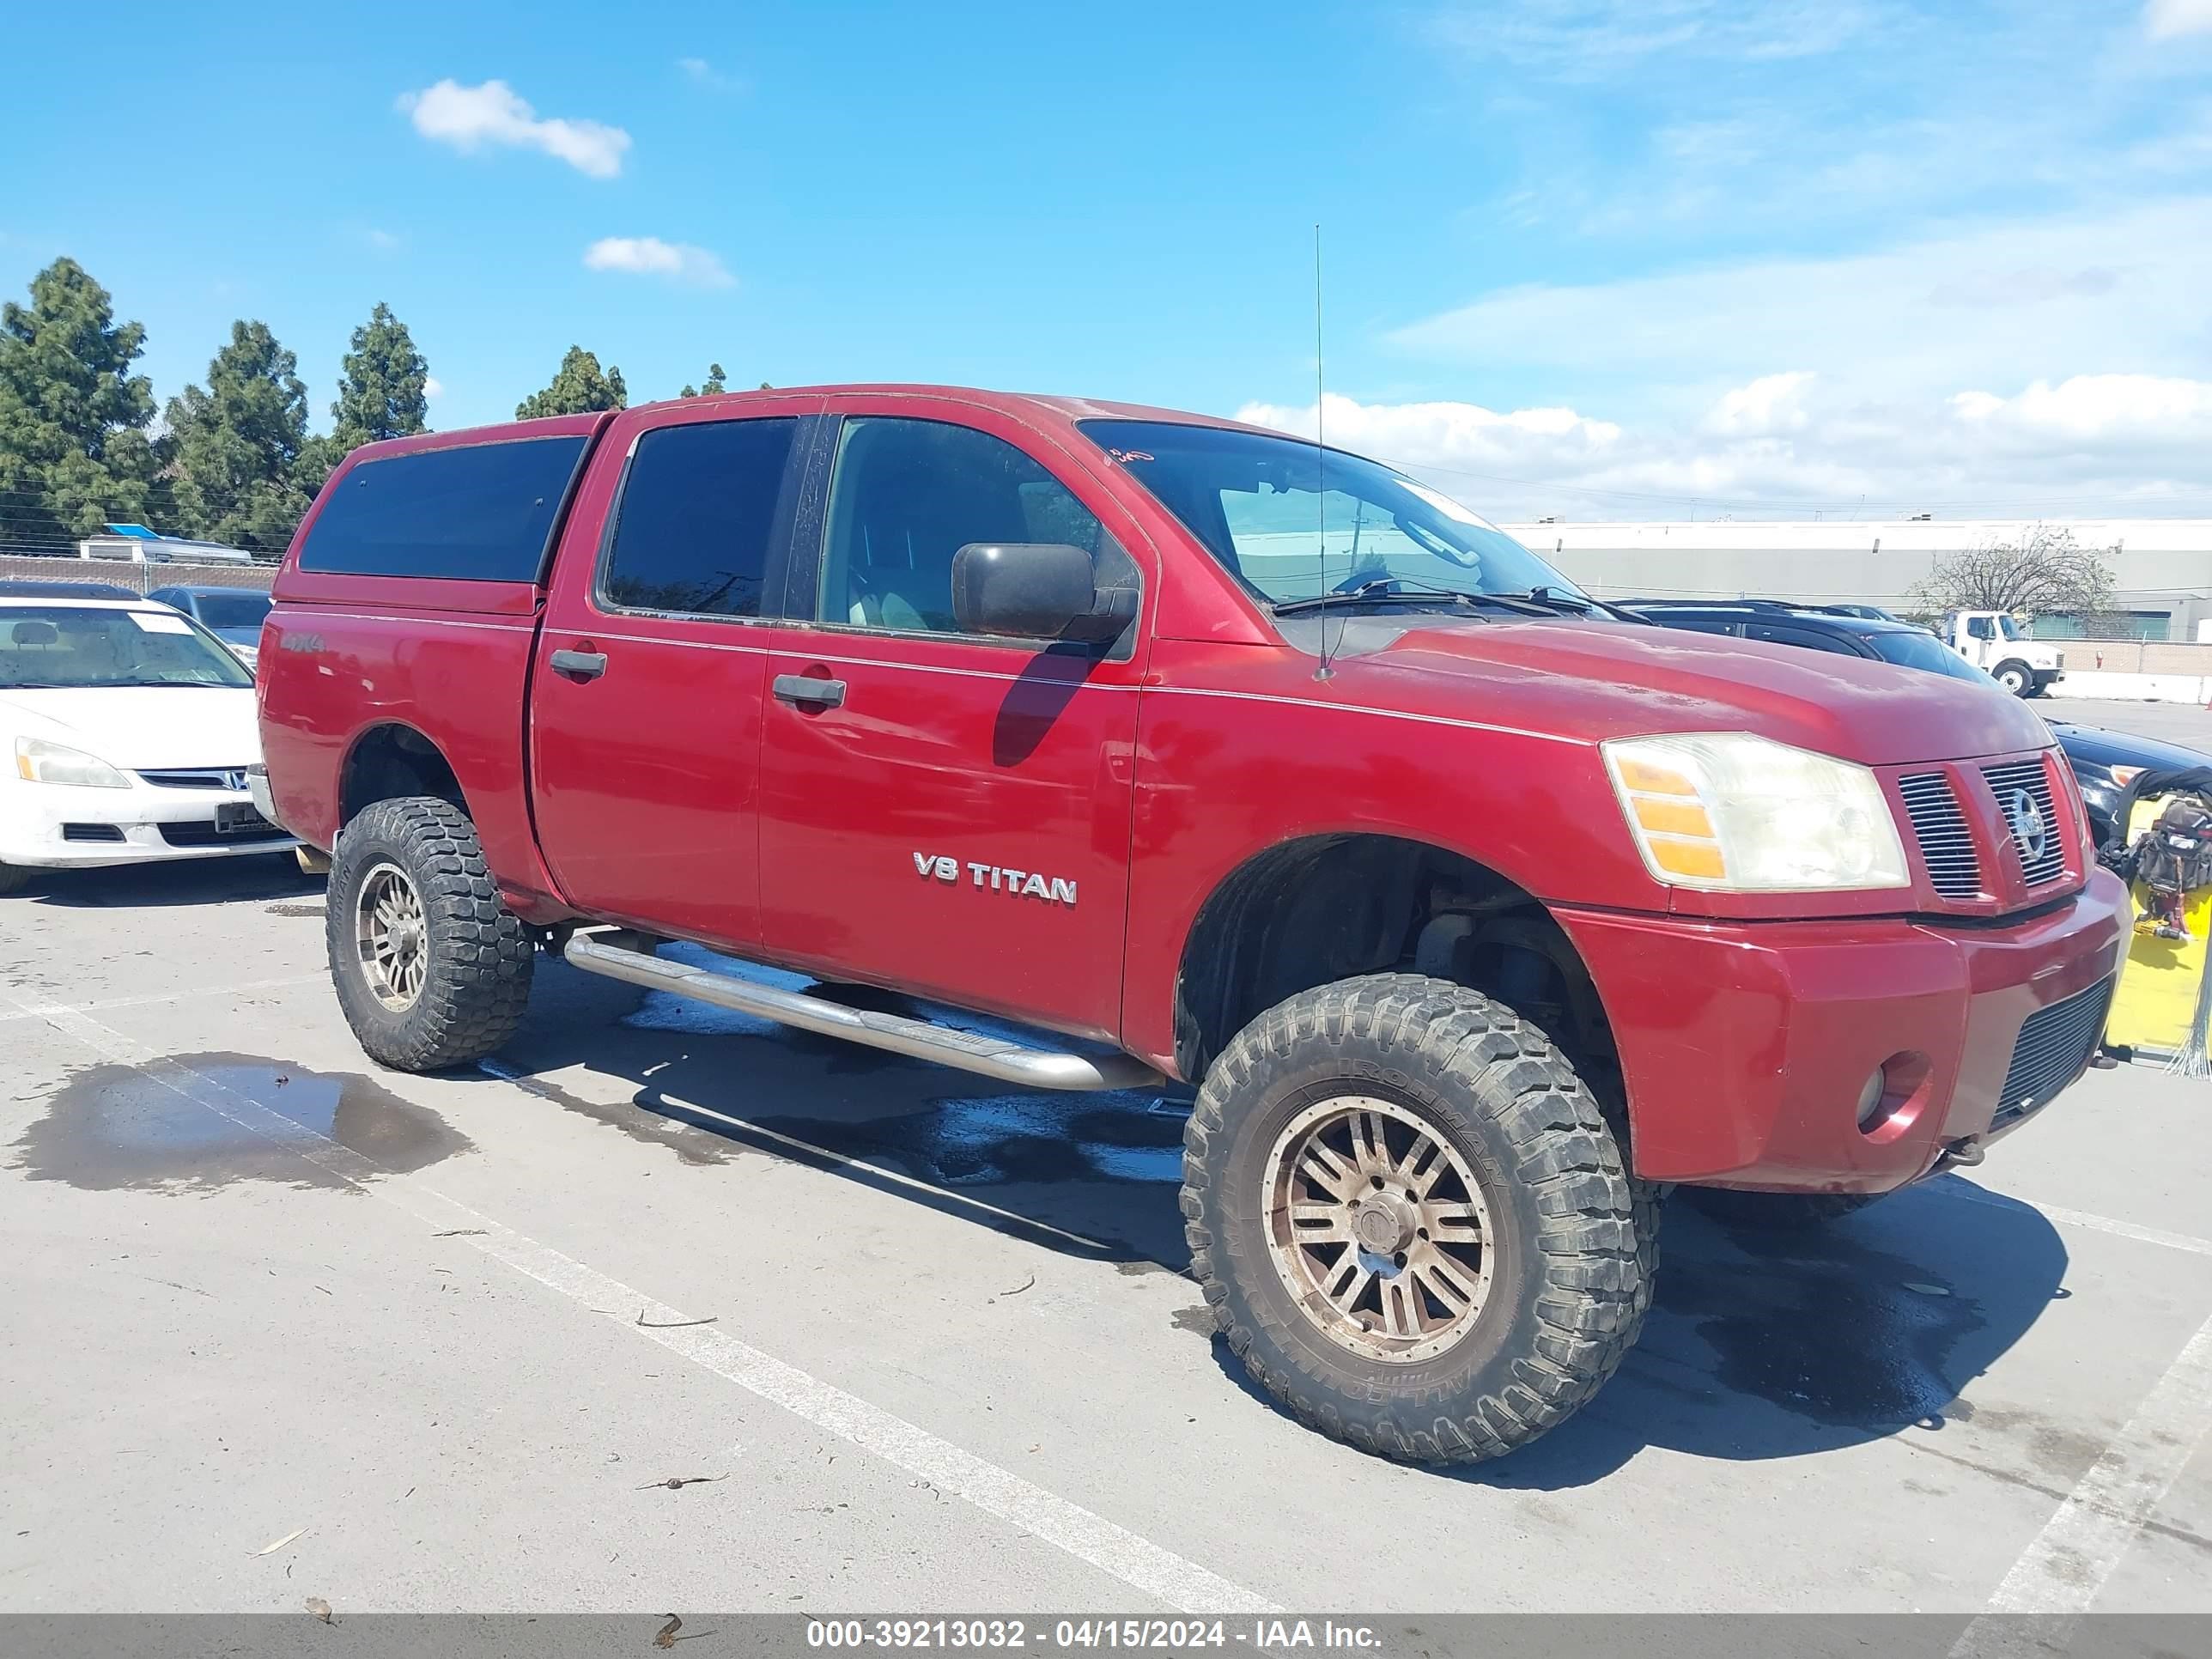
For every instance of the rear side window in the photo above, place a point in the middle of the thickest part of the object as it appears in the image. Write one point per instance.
(698, 517)
(479, 513)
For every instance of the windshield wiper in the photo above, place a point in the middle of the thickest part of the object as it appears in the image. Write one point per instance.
(1397, 590)
(1576, 605)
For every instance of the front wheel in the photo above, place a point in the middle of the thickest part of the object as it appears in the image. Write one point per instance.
(431, 969)
(2016, 677)
(1411, 1219)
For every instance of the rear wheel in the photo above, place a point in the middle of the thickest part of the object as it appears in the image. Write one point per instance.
(431, 969)
(2016, 677)
(1411, 1220)
(12, 877)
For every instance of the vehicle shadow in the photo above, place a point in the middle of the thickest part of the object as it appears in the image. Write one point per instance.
(147, 886)
(1782, 1344)
(1759, 1345)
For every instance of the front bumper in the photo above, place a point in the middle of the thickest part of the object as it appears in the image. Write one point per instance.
(1744, 1046)
(45, 826)
(2047, 677)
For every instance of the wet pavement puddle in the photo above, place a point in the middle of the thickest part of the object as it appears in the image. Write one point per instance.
(119, 1127)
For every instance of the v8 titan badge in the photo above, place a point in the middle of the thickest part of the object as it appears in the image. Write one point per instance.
(1000, 878)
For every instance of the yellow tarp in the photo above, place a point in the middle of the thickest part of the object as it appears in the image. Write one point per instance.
(2157, 994)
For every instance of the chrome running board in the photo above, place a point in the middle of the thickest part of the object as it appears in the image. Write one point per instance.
(991, 1056)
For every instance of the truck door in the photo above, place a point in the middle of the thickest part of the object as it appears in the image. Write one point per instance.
(1977, 638)
(945, 813)
(645, 693)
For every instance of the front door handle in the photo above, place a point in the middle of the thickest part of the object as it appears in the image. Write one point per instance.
(584, 665)
(807, 691)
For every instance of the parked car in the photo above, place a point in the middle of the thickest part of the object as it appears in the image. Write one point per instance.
(233, 615)
(1474, 911)
(129, 730)
(2103, 763)
(2106, 762)
(65, 590)
(1873, 613)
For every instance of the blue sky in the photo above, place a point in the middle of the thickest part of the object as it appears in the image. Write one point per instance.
(1594, 258)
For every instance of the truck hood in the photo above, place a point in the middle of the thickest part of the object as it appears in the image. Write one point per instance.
(138, 727)
(1600, 680)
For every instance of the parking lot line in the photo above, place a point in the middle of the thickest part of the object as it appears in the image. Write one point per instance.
(2102, 1223)
(24, 1011)
(2066, 1565)
(1088, 1537)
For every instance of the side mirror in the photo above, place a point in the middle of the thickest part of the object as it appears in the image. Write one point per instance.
(1034, 590)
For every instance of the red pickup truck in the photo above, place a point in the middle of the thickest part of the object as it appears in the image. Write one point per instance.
(1477, 911)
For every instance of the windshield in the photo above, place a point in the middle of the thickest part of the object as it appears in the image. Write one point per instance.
(1919, 650)
(1293, 522)
(233, 609)
(2011, 629)
(45, 647)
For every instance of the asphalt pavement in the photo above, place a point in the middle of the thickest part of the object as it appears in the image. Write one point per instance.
(670, 1308)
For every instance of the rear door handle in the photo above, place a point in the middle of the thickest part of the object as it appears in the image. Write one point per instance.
(806, 691)
(584, 665)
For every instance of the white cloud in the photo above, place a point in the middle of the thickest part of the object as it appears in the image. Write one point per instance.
(382, 241)
(701, 73)
(2098, 407)
(649, 256)
(1447, 434)
(1772, 403)
(1587, 39)
(2118, 291)
(2163, 20)
(1783, 445)
(432, 387)
(471, 118)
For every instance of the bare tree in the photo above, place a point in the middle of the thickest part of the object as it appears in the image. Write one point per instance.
(2042, 572)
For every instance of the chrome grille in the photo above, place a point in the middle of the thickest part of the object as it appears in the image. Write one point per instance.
(2031, 816)
(1940, 826)
(198, 777)
(2053, 1046)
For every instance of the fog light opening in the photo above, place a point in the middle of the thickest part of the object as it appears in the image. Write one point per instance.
(1870, 1099)
(1890, 1097)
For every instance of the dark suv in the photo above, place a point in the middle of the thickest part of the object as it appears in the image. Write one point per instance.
(1846, 630)
(2103, 761)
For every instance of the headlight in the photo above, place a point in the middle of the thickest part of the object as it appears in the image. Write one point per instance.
(1738, 813)
(2125, 776)
(38, 761)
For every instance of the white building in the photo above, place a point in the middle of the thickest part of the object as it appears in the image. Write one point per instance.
(2162, 566)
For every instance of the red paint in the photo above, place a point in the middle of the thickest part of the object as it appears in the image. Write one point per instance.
(674, 793)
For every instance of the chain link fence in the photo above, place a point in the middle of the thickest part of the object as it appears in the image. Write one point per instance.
(139, 578)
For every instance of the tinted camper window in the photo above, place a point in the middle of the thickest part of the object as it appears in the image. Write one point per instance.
(478, 513)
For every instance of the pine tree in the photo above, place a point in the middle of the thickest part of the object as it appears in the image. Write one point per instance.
(382, 385)
(74, 451)
(577, 389)
(714, 387)
(239, 446)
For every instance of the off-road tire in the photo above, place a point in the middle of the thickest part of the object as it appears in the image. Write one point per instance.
(14, 876)
(480, 957)
(2015, 676)
(1569, 1281)
(1777, 1212)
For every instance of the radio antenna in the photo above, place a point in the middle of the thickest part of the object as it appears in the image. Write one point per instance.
(1321, 462)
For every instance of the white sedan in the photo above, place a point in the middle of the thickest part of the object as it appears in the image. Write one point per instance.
(126, 730)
